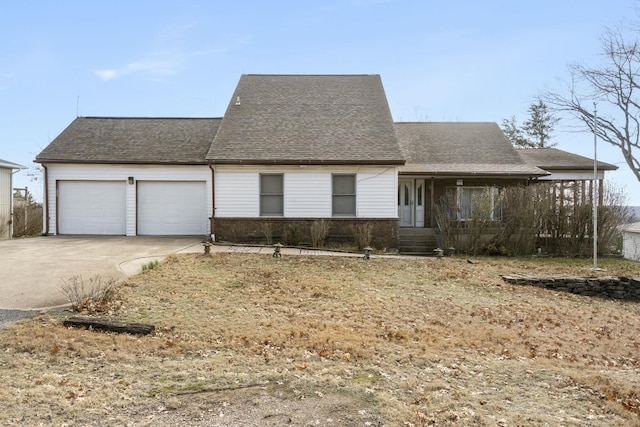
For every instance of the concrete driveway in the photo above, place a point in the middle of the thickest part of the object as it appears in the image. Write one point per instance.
(32, 270)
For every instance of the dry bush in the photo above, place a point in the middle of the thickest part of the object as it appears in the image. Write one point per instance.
(95, 295)
(292, 235)
(27, 220)
(557, 217)
(362, 234)
(267, 230)
(4, 228)
(319, 232)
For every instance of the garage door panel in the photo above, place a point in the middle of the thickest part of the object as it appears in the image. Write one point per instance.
(171, 208)
(91, 207)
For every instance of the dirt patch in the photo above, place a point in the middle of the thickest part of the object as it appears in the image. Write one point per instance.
(251, 340)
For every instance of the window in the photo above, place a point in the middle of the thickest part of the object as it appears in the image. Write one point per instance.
(343, 195)
(271, 195)
(479, 203)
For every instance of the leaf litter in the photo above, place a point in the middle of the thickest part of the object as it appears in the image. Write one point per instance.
(246, 339)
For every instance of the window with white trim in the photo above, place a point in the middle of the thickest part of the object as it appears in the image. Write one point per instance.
(271, 194)
(343, 195)
(478, 203)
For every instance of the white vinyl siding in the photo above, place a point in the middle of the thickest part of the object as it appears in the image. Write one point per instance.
(377, 193)
(5, 203)
(74, 172)
(237, 194)
(308, 194)
(307, 191)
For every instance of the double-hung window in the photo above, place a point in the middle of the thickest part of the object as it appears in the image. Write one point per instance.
(271, 195)
(343, 195)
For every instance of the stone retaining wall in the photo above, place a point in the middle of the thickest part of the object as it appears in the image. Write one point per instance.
(621, 288)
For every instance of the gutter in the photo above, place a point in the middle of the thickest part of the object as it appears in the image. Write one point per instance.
(212, 219)
(308, 162)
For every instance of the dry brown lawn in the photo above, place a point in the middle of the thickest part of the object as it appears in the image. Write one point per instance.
(251, 340)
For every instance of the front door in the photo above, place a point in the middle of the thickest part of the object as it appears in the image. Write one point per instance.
(405, 202)
(411, 202)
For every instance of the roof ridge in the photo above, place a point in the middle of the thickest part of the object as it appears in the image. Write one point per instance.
(442, 122)
(147, 118)
(311, 75)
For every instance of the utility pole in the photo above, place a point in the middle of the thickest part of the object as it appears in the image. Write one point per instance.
(594, 188)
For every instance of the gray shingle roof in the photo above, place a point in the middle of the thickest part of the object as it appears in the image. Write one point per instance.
(10, 165)
(307, 119)
(133, 140)
(555, 159)
(460, 148)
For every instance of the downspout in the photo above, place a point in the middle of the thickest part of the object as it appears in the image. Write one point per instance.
(45, 209)
(212, 224)
(11, 172)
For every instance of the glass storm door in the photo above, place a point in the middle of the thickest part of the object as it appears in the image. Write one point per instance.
(405, 202)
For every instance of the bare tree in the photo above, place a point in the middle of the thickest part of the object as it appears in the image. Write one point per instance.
(614, 85)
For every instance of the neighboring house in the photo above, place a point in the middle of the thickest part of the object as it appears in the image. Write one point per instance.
(631, 241)
(290, 150)
(6, 197)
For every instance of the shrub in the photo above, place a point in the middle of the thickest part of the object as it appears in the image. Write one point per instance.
(319, 232)
(363, 234)
(95, 295)
(27, 220)
(152, 265)
(4, 227)
(267, 230)
(292, 235)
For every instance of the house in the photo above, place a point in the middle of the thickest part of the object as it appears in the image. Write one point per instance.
(631, 241)
(290, 150)
(6, 197)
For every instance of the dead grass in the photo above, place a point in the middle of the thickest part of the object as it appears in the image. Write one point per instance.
(252, 340)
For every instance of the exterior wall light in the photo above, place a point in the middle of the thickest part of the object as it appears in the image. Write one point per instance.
(130, 180)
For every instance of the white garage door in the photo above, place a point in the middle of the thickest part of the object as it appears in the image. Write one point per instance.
(167, 208)
(91, 207)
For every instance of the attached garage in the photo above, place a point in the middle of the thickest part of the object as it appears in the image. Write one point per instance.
(91, 207)
(171, 208)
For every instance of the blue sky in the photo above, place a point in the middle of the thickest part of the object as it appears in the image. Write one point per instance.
(439, 61)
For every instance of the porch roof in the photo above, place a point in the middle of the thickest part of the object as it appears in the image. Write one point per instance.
(460, 149)
(555, 159)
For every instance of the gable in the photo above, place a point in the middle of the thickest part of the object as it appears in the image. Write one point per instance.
(307, 119)
(133, 140)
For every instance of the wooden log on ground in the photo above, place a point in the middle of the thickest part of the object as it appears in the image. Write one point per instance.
(109, 325)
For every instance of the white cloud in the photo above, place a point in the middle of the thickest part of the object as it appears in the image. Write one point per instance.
(156, 68)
